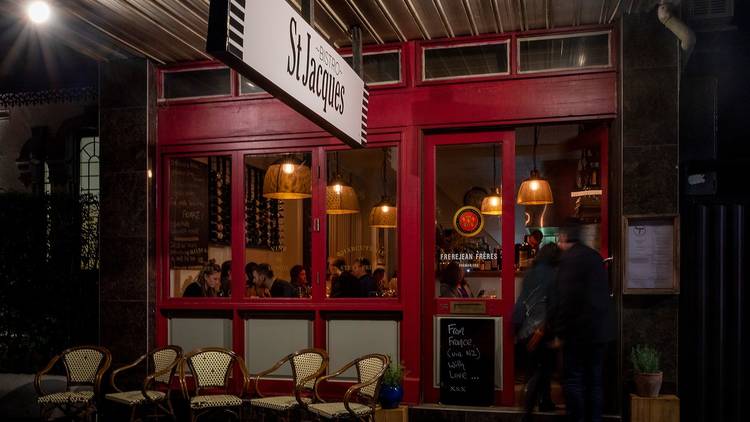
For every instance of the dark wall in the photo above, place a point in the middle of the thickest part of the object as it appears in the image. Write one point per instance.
(649, 135)
(127, 131)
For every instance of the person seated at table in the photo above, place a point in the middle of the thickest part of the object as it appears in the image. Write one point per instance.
(207, 283)
(277, 287)
(379, 276)
(226, 279)
(343, 283)
(251, 289)
(365, 282)
(298, 277)
(452, 283)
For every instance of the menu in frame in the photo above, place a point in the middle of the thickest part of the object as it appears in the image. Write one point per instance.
(651, 255)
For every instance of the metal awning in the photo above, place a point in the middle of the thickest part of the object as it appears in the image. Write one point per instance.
(173, 31)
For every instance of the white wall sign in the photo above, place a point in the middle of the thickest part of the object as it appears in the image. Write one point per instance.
(271, 44)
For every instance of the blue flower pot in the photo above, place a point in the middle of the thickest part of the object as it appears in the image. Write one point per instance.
(390, 396)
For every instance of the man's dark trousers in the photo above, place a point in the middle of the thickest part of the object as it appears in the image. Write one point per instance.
(582, 381)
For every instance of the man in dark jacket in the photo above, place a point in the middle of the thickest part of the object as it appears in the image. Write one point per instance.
(367, 285)
(582, 321)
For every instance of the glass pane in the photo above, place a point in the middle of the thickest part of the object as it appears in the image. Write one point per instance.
(475, 60)
(197, 83)
(468, 239)
(247, 87)
(278, 209)
(564, 53)
(380, 68)
(362, 218)
(200, 226)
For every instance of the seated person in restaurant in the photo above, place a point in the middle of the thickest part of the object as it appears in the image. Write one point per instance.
(379, 276)
(298, 277)
(343, 283)
(452, 283)
(207, 283)
(226, 278)
(367, 285)
(277, 287)
(251, 289)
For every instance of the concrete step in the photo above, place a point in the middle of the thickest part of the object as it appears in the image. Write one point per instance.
(440, 413)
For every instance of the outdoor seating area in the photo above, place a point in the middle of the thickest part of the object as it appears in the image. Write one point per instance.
(209, 382)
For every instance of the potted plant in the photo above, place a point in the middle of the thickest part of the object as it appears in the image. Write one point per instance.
(648, 376)
(391, 390)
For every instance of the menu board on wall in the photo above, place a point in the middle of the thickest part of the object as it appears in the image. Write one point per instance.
(188, 214)
(651, 247)
(467, 360)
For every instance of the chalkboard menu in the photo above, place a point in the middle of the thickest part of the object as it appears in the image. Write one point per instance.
(467, 361)
(188, 214)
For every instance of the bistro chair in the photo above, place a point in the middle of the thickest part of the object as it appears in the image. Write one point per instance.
(360, 399)
(154, 392)
(307, 366)
(84, 367)
(211, 370)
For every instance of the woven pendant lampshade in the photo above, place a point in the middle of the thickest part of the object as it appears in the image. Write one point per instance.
(287, 178)
(341, 198)
(493, 204)
(383, 215)
(535, 191)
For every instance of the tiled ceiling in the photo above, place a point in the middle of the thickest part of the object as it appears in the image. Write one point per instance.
(173, 31)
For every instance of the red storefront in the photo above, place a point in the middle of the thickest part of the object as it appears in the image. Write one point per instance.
(424, 132)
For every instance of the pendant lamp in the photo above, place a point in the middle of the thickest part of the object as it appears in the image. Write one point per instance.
(383, 214)
(492, 204)
(535, 190)
(287, 178)
(340, 196)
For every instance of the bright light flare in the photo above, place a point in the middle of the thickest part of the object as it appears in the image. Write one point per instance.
(534, 185)
(385, 209)
(337, 188)
(38, 11)
(287, 168)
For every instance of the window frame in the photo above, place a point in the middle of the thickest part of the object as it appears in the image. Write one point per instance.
(478, 76)
(609, 65)
(233, 87)
(385, 50)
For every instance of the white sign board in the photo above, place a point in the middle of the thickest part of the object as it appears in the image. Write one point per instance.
(651, 263)
(268, 42)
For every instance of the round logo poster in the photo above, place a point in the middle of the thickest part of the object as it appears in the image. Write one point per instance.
(468, 221)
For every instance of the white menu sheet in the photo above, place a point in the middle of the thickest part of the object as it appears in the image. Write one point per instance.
(651, 258)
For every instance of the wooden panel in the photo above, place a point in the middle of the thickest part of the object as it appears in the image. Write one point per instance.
(399, 414)
(661, 409)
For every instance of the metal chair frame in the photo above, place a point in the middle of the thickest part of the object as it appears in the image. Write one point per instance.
(353, 394)
(299, 384)
(74, 410)
(236, 360)
(165, 405)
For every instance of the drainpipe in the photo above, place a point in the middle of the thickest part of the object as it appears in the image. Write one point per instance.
(678, 27)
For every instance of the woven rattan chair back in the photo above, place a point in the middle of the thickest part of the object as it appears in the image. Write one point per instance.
(211, 367)
(308, 364)
(161, 359)
(369, 367)
(83, 364)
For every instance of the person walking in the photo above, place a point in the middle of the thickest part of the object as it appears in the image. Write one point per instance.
(532, 334)
(582, 322)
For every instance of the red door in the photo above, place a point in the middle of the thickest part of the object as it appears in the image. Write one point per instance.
(457, 168)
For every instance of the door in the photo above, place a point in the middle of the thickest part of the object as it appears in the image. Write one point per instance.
(460, 171)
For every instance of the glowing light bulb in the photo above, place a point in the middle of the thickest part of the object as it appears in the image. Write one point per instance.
(337, 188)
(287, 168)
(494, 201)
(534, 185)
(385, 208)
(38, 11)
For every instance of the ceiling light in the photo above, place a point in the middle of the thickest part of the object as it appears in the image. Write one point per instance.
(287, 178)
(535, 190)
(492, 204)
(38, 11)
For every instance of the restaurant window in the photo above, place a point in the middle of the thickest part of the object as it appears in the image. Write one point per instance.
(89, 201)
(197, 83)
(469, 249)
(278, 243)
(362, 214)
(248, 87)
(380, 68)
(560, 52)
(465, 61)
(200, 226)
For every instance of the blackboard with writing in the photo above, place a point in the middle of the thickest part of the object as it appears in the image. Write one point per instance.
(188, 214)
(467, 361)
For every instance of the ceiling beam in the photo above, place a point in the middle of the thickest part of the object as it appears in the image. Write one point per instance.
(418, 20)
(497, 17)
(365, 22)
(444, 18)
(470, 16)
(392, 22)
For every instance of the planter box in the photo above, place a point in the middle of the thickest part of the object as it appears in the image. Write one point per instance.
(659, 409)
(399, 414)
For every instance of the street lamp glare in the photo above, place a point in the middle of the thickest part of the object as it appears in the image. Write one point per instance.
(38, 11)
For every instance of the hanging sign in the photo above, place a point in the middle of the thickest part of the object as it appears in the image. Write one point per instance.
(269, 43)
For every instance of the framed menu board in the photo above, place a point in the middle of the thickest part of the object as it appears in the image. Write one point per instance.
(188, 214)
(652, 254)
